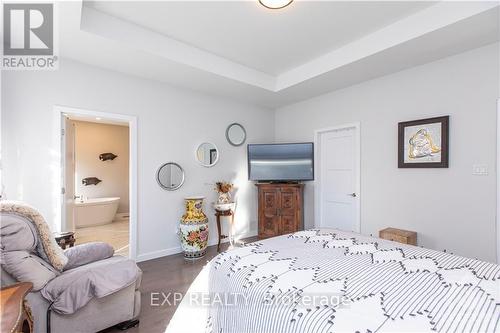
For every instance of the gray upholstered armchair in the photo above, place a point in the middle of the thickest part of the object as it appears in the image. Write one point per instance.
(83, 289)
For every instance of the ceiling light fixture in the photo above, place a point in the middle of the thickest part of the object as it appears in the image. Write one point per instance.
(275, 4)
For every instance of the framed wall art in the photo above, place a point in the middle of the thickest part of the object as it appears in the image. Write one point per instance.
(423, 143)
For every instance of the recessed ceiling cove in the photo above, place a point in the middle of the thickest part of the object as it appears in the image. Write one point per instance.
(269, 41)
(258, 55)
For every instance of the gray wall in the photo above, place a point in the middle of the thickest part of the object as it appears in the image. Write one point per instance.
(457, 209)
(449, 208)
(172, 122)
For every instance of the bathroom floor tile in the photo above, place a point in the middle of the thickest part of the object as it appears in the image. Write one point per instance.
(116, 234)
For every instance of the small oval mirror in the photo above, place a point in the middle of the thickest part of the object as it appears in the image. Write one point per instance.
(236, 134)
(170, 176)
(207, 154)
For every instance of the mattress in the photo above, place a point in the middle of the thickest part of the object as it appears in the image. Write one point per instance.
(332, 281)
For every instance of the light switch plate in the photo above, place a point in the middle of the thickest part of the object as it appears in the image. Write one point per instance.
(480, 170)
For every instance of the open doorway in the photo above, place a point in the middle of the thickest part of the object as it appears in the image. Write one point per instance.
(98, 185)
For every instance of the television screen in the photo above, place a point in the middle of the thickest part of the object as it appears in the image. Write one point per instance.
(281, 162)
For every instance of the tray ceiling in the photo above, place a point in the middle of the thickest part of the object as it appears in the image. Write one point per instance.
(242, 51)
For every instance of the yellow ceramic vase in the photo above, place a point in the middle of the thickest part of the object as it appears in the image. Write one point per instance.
(194, 229)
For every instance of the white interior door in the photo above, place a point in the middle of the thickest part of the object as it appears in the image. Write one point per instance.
(68, 166)
(338, 184)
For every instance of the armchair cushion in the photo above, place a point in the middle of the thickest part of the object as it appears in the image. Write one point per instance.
(27, 267)
(16, 237)
(87, 253)
(17, 233)
(74, 288)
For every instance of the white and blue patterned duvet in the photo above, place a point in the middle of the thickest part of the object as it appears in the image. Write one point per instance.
(332, 281)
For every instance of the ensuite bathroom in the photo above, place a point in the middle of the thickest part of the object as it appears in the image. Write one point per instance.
(96, 178)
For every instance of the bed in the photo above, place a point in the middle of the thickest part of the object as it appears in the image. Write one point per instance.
(331, 281)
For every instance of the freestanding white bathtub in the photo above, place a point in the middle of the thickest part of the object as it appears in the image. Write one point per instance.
(95, 211)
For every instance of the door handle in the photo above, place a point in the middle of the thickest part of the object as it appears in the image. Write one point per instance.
(353, 195)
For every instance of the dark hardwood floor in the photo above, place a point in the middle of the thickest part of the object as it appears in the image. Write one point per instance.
(167, 275)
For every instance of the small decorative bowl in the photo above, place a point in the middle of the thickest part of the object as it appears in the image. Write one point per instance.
(224, 207)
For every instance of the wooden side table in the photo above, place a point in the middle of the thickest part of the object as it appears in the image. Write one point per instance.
(399, 235)
(218, 214)
(65, 238)
(15, 313)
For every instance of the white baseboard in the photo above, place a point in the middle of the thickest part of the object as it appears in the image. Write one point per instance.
(177, 249)
(251, 233)
(158, 254)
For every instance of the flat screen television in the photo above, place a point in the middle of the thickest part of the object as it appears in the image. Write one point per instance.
(281, 162)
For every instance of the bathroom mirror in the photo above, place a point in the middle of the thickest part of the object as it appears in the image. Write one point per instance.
(170, 176)
(236, 134)
(207, 154)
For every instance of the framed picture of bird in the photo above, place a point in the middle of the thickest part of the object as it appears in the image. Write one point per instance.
(423, 143)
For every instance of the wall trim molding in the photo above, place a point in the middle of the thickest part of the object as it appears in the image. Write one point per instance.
(175, 250)
(497, 220)
(158, 254)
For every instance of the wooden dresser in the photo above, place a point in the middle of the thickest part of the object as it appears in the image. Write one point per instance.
(399, 235)
(281, 209)
(15, 313)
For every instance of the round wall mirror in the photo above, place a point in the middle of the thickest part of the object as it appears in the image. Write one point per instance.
(236, 134)
(207, 154)
(170, 176)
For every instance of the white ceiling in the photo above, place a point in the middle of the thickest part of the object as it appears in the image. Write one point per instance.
(242, 51)
(269, 41)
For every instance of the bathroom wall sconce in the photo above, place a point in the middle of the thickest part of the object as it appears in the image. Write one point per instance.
(91, 181)
(107, 156)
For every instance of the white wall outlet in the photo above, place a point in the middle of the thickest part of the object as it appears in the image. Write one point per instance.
(480, 170)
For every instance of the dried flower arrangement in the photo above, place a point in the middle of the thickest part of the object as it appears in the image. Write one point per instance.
(223, 189)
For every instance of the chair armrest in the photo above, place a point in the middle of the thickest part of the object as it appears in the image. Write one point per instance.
(74, 288)
(86, 253)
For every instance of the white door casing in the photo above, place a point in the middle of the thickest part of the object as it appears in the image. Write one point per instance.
(337, 185)
(68, 174)
(60, 112)
(498, 184)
